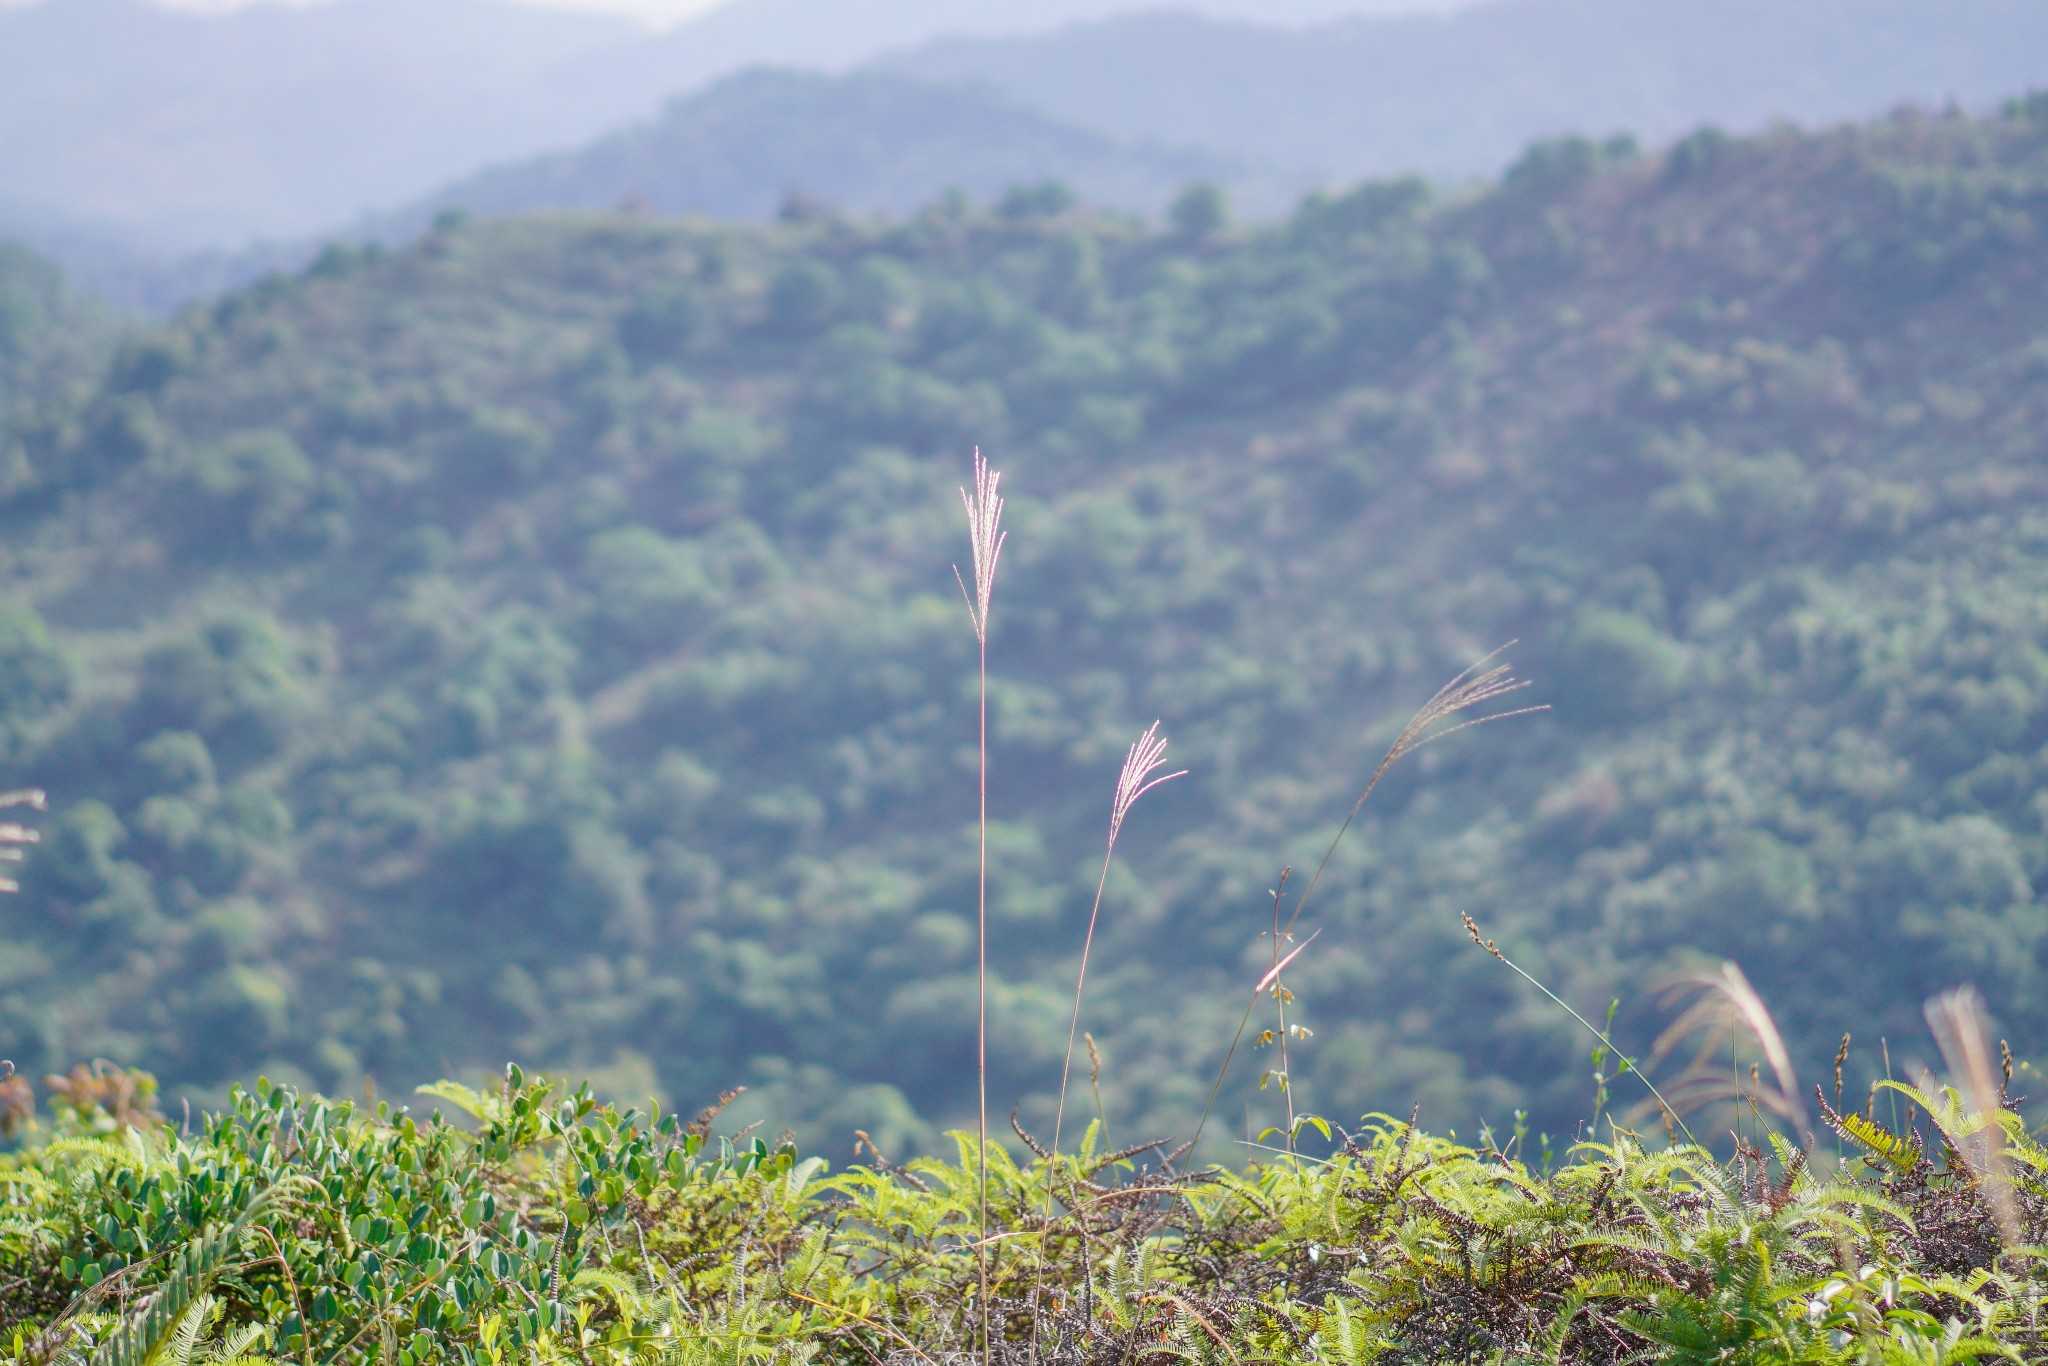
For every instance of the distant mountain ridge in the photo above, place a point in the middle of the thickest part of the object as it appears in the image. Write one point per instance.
(187, 131)
(1463, 93)
(868, 142)
(290, 126)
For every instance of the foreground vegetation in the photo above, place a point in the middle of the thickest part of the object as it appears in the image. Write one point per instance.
(544, 1226)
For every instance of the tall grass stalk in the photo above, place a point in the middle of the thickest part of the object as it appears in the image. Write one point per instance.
(1146, 757)
(1272, 975)
(985, 537)
(1095, 1085)
(1280, 999)
(1628, 1064)
(1480, 683)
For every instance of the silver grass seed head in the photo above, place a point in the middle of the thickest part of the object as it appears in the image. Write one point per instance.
(985, 537)
(1146, 755)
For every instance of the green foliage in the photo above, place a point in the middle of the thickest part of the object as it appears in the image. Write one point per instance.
(521, 1221)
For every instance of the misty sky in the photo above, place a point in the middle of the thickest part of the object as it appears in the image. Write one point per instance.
(664, 12)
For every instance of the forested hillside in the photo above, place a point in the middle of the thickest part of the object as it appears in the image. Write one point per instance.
(541, 641)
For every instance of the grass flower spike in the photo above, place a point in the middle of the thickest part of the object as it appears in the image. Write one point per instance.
(1146, 756)
(985, 535)
(1478, 685)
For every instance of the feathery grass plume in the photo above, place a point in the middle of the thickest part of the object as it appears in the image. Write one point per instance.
(1479, 683)
(1957, 1020)
(13, 834)
(985, 538)
(1724, 1005)
(1475, 687)
(1146, 757)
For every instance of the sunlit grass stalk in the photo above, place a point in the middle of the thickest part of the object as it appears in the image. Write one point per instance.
(1473, 687)
(1146, 756)
(1280, 1006)
(1272, 976)
(1725, 998)
(1095, 1085)
(985, 535)
(1957, 1021)
(1628, 1064)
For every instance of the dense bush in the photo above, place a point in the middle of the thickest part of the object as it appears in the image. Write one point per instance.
(539, 1225)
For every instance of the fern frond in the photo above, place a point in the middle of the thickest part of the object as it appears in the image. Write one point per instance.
(184, 1339)
(140, 1335)
(1901, 1153)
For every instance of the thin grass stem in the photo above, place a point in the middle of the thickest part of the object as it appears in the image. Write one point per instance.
(986, 537)
(1474, 686)
(1628, 1064)
(1134, 780)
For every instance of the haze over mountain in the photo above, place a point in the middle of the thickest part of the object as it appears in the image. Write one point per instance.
(138, 137)
(1464, 93)
(869, 141)
(186, 130)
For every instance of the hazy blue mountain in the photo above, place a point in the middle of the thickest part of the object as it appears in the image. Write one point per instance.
(186, 130)
(126, 268)
(147, 149)
(833, 34)
(863, 142)
(1463, 93)
(189, 129)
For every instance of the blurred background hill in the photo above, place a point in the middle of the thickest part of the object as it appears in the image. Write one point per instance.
(1461, 94)
(161, 154)
(538, 640)
(763, 140)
